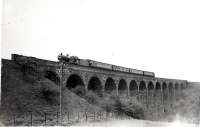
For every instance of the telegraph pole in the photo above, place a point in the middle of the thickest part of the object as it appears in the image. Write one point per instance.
(61, 84)
(62, 62)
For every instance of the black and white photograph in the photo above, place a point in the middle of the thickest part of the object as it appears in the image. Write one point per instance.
(100, 63)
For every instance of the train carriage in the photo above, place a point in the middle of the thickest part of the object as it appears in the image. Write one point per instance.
(122, 69)
(139, 72)
(147, 73)
(97, 64)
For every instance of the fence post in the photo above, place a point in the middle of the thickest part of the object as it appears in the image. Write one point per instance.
(14, 119)
(78, 116)
(94, 116)
(57, 117)
(107, 115)
(86, 117)
(31, 118)
(68, 116)
(45, 119)
(100, 115)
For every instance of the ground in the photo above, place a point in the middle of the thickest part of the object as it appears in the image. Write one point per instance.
(136, 123)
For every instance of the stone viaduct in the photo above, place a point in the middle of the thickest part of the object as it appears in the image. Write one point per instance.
(149, 90)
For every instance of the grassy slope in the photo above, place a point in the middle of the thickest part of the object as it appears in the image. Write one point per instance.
(20, 96)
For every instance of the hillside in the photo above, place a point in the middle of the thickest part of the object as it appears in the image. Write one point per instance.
(22, 94)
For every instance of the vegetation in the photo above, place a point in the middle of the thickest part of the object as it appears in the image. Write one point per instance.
(79, 90)
(113, 103)
(22, 96)
(188, 107)
(49, 94)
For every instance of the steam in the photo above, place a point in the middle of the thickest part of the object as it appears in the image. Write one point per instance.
(181, 122)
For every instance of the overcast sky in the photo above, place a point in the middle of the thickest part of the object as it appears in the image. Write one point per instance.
(162, 36)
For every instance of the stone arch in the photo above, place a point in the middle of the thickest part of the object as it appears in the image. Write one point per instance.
(176, 86)
(164, 86)
(95, 86)
(74, 81)
(122, 87)
(52, 76)
(142, 86)
(177, 92)
(158, 86)
(182, 86)
(110, 85)
(143, 92)
(150, 98)
(165, 93)
(171, 93)
(150, 86)
(133, 87)
(170, 87)
(158, 98)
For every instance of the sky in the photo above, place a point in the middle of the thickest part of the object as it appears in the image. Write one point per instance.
(162, 36)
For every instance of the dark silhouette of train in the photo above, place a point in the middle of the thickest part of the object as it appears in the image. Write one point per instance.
(83, 62)
(96, 64)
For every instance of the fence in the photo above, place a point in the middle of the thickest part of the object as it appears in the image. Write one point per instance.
(69, 118)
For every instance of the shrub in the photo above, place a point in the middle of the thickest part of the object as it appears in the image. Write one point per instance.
(135, 111)
(92, 97)
(112, 103)
(79, 90)
(129, 107)
(48, 93)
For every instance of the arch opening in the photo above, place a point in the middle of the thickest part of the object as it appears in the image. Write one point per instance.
(142, 86)
(150, 95)
(133, 87)
(150, 86)
(158, 86)
(182, 86)
(110, 86)
(122, 87)
(165, 93)
(52, 76)
(143, 93)
(170, 87)
(158, 97)
(177, 92)
(176, 86)
(164, 86)
(95, 86)
(75, 81)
